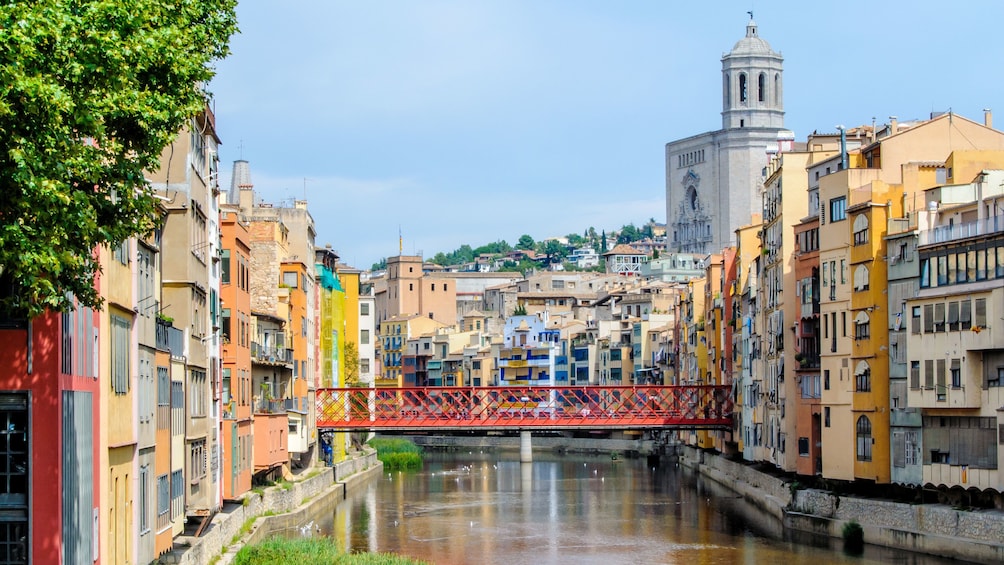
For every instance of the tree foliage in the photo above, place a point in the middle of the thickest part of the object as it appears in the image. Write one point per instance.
(525, 242)
(351, 364)
(91, 91)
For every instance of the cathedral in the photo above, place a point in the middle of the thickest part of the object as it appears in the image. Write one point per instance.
(713, 179)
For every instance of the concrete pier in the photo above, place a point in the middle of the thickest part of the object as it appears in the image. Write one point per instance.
(525, 447)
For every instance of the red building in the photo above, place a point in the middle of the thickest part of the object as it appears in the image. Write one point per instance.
(48, 450)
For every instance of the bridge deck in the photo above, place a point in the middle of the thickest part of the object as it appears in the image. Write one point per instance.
(524, 407)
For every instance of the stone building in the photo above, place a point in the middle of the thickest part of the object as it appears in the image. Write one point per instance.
(713, 178)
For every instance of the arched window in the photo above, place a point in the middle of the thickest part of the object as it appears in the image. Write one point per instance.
(777, 89)
(742, 88)
(761, 87)
(862, 377)
(861, 278)
(862, 326)
(864, 436)
(728, 91)
(860, 229)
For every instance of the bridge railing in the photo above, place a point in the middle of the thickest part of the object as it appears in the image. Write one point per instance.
(519, 407)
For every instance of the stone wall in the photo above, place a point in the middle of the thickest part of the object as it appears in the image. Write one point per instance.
(287, 504)
(972, 535)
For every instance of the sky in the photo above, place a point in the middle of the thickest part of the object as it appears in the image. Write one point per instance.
(450, 122)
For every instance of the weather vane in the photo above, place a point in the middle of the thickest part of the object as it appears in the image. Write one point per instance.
(751, 14)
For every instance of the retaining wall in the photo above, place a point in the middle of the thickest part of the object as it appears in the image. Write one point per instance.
(540, 443)
(972, 535)
(288, 505)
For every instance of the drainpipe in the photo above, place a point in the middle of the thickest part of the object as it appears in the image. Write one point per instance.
(843, 147)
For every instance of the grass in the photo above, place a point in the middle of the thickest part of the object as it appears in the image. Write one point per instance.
(397, 454)
(311, 551)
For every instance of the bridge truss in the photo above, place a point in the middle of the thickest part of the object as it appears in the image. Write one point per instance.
(525, 408)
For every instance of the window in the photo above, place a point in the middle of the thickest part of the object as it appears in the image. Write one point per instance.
(953, 316)
(803, 447)
(120, 354)
(838, 209)
(862, 326)
(364, 366)
(826, 416)
(928, 318)
(121, 252)
(16, 471)
(197, 462)
(956, 371)
(864, 439)
(915, 320)
(861, 279)
(290, 279)
(939, 317)
(197, 393)
(843, 271)
(224, 266)
(965, 314)
(995, 379)
(860, 229)
(364, 309)
(742, 88)
(915, 375)
(862, 377)
(980, 319)
(826, 379)
(364, 337)
(163, 500)
(225, 325)
(761, 84)
(177, 493)
(144, 498)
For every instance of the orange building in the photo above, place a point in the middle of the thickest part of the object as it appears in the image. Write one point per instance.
(236, 424)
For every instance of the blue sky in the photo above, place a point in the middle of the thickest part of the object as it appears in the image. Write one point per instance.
(470, 121)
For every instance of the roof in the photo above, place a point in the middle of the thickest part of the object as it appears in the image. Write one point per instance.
(752, 44)
(623, 249)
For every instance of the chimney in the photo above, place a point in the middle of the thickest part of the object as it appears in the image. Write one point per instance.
(893, 125)
(988, 118)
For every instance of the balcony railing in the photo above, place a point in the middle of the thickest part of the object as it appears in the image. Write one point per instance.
(267, 406)
(273, 355)
(944, 234)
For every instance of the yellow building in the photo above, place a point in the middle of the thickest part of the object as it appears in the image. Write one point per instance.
(857, 194)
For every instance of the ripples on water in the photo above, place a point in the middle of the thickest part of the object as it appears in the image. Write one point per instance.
(487, 508)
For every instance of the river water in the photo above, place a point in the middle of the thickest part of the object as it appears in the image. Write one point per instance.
(488, 508)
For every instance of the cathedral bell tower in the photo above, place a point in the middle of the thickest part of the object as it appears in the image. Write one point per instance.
(752, 84)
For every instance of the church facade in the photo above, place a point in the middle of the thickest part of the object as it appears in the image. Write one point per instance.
(714, 179)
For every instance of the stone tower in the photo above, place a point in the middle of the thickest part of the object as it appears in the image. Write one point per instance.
(713, 179)
(752, 93)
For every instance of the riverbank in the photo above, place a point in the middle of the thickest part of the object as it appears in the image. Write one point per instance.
(935, 529)
(273, 510)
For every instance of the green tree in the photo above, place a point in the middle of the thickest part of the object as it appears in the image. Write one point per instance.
(91, 92)
(379, 265)
(555, 251)
(603, 242)
(525, 242)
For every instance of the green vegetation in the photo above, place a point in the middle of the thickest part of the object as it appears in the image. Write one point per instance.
(553, 249)
(312, 551)
(854, 537)
(397, 454)
(92, 93)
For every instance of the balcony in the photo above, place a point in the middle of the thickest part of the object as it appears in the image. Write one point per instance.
(269, 406)
(298, 405)
(271, 355)
(945, 234)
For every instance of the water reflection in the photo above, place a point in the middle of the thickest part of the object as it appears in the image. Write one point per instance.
(491, 509)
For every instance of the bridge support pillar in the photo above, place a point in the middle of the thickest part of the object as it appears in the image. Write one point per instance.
(525, 447)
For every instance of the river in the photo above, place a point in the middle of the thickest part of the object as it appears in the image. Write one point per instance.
(488, 508)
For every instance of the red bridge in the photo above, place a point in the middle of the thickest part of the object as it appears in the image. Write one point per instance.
(525, 408)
